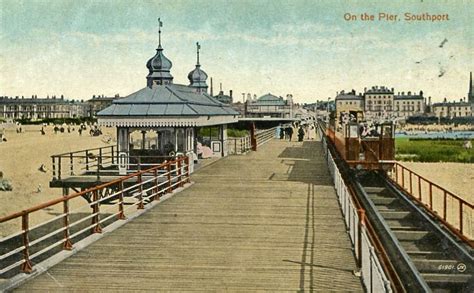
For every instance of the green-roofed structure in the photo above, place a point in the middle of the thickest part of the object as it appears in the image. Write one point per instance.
(171, 114)
(269, 106)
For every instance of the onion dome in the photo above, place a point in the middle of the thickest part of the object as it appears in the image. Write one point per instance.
(159, 66)
(197, 77)
(159, 62)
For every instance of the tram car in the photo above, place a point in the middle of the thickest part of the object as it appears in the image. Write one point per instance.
(362, 144)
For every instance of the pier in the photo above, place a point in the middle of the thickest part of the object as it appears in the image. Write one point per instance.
(289, 216)
(269, 220)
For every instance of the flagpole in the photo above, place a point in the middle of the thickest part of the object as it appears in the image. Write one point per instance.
(198, 47)
(160, 24)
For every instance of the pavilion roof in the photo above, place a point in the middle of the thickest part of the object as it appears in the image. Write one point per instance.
(173, 103)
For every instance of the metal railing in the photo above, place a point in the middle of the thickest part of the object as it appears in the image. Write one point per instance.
(368, 251)
(79, 162)
(238, 145)
(100, 161)
(242, 145)
(455, 212)
(110, 202)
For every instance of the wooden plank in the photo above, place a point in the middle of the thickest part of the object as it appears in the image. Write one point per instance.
(265, 221)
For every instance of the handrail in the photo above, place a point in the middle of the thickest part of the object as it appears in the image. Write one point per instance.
(399, 179)
(239, 145)
(68, 197)
(147, 184)
(264, 135)
(75, 152)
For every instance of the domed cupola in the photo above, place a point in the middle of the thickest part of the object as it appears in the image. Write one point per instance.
(197, 77)
(159, 66)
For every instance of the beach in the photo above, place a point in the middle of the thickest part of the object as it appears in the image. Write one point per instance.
(22, 155)
(455, 177)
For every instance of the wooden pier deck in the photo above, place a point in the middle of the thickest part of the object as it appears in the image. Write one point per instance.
(267, 221)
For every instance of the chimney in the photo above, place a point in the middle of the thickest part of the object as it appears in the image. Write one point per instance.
(212, 88)
(365, 89)
(230, 93)
(393, 90)
(421, 93)
(409, 93)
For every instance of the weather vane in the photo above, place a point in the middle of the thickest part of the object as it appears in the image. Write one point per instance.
(160, 24)
(198, 48)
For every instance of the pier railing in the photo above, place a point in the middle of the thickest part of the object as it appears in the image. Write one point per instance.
(71, 220)
(241, 145)
(100, 161)
(375, 269)
(83, 161)
(265, 135)
(238, 145)
(455, 212)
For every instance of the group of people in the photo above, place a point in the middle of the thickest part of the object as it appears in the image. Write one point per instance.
(303, 130)
(94, 130)
(286, 132)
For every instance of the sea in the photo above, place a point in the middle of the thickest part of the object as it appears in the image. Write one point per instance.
(436, 134)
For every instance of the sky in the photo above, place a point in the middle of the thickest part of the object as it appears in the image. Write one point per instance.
(303, 48)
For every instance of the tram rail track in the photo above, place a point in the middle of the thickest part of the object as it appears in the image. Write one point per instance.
(426, 256)
(419, 251)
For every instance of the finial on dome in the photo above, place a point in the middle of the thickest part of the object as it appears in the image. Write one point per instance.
(160, 24)
(197, 77)
(198, 47)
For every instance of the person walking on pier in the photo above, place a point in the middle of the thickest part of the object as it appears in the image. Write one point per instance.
(300, 133)
(289, 132)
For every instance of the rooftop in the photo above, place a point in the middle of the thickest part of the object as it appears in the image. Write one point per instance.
(167, 100)
(379, 90)
(269, 99)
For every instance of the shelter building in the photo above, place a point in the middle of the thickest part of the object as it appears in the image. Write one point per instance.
(173, 118)
(270, 106)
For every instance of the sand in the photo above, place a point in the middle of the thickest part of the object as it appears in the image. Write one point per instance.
(23, 154)
(455, 177)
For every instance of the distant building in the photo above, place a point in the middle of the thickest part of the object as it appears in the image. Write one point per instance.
(452, 109)
(406, 105)
(269, 106)
(223, 98)
(349, 102)
(378, 102)
(100, 102)
(239, 107)
(35, 108)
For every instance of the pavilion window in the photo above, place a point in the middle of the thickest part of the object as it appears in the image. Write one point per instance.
(181, 140)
